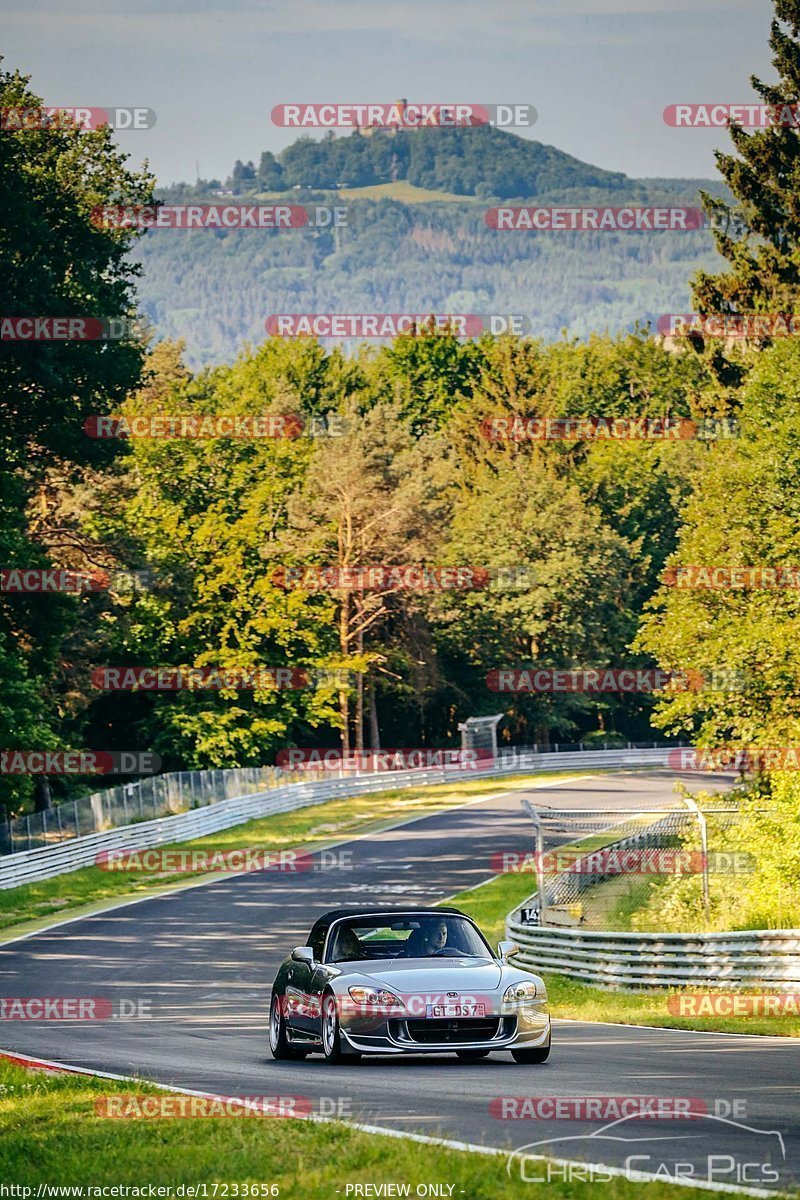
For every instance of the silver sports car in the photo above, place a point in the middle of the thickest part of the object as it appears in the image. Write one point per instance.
(416, 981)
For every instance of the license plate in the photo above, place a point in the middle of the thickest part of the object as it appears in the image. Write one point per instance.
(455, 1010)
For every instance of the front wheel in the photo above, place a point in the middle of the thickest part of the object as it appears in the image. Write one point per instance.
(331, 1034)
(537, 1054)
(278, 1042)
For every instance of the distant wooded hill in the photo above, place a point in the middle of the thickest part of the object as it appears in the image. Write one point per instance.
(480, 162)
(416, 240)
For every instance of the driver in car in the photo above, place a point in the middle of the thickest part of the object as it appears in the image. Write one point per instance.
(436, 937)
(427, 941)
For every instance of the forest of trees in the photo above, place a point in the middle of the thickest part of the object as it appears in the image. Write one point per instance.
(214, 291)
(404, 475)
(482, 162)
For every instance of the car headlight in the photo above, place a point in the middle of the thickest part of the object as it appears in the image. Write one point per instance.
(374, 999)
(520, 993)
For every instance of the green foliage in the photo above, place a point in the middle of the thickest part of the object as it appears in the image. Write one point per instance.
(215, 291)
(411, 481)
(765, 897)
(206, 514)
(470, 162)
(54, 261)
(573, 607)
(759, 234)
(743, 512)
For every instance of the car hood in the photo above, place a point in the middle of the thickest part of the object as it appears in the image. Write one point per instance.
(414, 975)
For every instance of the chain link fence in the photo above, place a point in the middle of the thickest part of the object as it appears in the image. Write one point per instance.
(142, 800)
(164, 795)
(606, 870)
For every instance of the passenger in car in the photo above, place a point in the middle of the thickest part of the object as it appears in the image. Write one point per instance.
(348, 947)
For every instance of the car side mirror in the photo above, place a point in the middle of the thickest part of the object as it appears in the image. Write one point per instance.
(506, 950)
(303, 954)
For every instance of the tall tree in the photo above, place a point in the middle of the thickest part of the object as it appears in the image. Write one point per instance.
(55, 261)
(759, 234)
(558, 594)
(374, 497)
(211, 515)
(743, 513)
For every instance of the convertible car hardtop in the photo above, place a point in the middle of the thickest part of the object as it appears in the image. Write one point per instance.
(337, 914)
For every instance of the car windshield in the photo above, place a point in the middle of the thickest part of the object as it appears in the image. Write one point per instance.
(422, 936)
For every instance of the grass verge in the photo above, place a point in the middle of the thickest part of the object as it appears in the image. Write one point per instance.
(24, 908)
(489, 904)
(51, 1134)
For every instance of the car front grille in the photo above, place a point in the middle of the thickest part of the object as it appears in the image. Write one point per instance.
(456, 1029)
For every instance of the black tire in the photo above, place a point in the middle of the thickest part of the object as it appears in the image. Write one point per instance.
(472, 1054)
(278, 1042)
(538, 1054)
(331, 1034)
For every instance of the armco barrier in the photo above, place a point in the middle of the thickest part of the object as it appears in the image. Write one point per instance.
(627, 961)
(29, 866)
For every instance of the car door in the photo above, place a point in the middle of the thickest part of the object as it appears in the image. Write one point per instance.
(303, 989)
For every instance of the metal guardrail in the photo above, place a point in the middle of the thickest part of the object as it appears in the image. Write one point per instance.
(627, 961)
(29, 866)
(178, 791)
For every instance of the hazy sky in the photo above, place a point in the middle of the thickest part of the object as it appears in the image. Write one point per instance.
(600, 72)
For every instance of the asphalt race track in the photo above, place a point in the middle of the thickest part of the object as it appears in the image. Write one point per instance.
(203, 960)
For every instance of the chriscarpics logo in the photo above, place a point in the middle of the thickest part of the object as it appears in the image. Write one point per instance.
(710, 1150)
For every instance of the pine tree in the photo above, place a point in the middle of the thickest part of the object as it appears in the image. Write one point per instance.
(759, 235)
